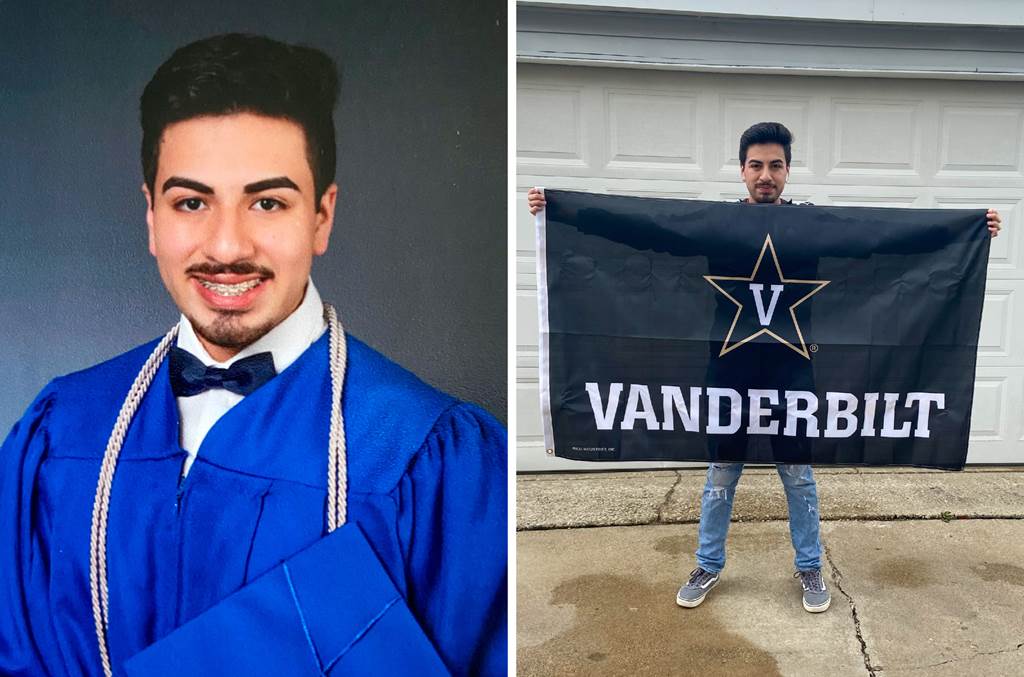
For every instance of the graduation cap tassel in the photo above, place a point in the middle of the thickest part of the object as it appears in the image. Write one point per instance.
(101, 506)
(337, 469)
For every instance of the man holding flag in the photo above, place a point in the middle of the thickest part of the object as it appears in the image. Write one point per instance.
(765, 156)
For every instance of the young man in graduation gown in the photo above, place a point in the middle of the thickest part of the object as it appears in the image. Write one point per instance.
(199, 504)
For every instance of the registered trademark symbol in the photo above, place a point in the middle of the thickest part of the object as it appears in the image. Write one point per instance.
(814, 347)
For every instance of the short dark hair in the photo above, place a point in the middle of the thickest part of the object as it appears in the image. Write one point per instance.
(237, 73)
(766, 132)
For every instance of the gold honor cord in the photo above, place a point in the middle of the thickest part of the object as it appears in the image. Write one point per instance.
(337, 468)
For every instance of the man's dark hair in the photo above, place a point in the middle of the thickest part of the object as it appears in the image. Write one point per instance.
(236, 73)
(766, 132)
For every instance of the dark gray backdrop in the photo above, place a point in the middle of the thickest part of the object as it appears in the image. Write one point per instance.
(417, 263)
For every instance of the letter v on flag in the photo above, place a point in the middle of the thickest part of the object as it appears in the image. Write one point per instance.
(683, 330)
(765, 316)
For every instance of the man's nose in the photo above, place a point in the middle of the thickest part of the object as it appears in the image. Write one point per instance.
(229, 238)
(766, 174)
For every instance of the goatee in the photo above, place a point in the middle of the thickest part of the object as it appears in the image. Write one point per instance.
(229, 331)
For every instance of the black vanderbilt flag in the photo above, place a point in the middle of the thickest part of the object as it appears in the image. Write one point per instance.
(689, 330)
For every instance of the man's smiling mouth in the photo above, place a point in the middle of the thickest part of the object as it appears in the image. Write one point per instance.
(230, 289)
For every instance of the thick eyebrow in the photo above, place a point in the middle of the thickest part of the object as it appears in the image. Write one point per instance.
(267, 184)
(180, 182)
(255, 187)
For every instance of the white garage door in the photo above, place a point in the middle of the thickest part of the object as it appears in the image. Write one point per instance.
(859, 141)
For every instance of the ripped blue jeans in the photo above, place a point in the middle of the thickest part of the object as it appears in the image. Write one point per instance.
(716, 510)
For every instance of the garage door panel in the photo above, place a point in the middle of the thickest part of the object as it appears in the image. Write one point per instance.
(527, 319)
(526, 272)
(1001, 339)
(994, 345)
(549, 126)
(528, 404)
(980, 140)
(631, 116)
(989, 416)
(526, 367)
(876, 137)
(996, 422)
(1015, 408)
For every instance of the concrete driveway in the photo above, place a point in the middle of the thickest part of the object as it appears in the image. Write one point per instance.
(925, 570)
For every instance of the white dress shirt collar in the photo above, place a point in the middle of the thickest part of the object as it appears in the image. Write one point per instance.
(285, 342)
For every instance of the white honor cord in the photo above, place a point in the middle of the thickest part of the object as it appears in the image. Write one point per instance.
(337, 468)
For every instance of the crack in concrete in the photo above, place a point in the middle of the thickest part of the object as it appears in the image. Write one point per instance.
(668, 497)
(965, 658)
(837, 576)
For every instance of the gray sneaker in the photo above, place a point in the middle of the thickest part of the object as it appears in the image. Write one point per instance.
(697, 588)
(816, 596)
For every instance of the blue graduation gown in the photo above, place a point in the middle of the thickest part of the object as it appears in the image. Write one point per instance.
(229, 570)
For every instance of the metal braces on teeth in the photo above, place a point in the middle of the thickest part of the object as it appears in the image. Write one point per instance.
(230, 289)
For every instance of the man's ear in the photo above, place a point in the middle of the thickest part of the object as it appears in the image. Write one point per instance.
(149, 218)
(325, 219)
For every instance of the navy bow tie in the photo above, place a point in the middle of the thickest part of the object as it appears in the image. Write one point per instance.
(190, 377)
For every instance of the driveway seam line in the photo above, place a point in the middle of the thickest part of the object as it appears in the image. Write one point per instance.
(751, 520)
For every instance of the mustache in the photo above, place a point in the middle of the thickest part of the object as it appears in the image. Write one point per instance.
(237, 268)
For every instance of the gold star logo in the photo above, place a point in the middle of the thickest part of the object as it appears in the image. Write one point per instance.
(804, 289)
